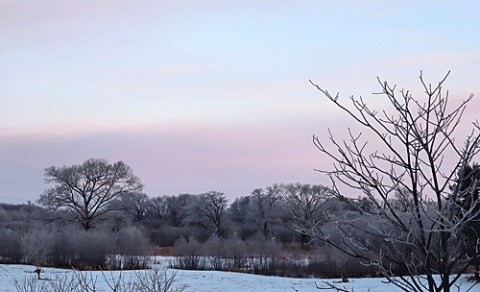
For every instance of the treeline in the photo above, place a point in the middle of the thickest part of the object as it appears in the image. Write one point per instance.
(280, 212)
(32, 234)
(287, 230)
(274, 224)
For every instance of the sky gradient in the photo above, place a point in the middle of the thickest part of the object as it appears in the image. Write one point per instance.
(209, 95)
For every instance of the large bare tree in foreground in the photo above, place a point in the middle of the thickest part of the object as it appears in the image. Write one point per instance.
(411, 159)
(87, 189)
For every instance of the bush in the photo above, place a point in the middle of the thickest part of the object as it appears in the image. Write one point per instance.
(91, 249)
(131, 241)
(9, 243)
(198, 233)
(164, 235)
(100, 249)
(36, 246)
(189, 255)
(267, 258)
(127, 262)
(63, 253)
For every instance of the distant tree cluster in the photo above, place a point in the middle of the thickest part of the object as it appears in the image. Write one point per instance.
(286, 213)
(97, 209)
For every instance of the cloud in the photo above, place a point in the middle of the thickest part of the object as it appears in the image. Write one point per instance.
(171, 159)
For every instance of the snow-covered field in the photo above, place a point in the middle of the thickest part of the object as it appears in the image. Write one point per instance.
(202, 280)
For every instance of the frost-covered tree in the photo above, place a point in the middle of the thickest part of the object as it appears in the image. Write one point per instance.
(211, 207)
(307, 205)
(134, 205)
(85, 190)
(240, 224)
(158, 209)
(266, 209)
(410, 152)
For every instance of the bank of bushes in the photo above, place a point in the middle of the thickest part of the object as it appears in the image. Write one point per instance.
(71, 247)
(267, 258)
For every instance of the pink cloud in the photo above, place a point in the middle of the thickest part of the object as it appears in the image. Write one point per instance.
(173, 159)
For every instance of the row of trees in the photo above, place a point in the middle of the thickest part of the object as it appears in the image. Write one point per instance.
(133, 223)
(275, 223)
(97, 190)
(264, 214)
(82, 202)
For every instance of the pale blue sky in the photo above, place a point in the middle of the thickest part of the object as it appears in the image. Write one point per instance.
(208, 95)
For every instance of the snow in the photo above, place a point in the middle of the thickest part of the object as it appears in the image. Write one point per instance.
(204, 280)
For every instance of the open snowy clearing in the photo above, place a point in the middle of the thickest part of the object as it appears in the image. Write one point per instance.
(203, 280)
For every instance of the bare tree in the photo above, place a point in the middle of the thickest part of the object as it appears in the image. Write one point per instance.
(178, 209)
(308, 207)
(238, 213)
(211, 207)
(266, 209)
(87, 189)
(417, 158)
(135, 205)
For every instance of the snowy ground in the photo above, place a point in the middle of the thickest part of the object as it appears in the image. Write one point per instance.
(204, 280)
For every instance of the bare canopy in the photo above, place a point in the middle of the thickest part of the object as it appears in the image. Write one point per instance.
(417, 161)
(86, 189)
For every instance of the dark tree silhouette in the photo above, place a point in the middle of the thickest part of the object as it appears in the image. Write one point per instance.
(211, 208)
(87, 189)
(307, 207)
(469, 205)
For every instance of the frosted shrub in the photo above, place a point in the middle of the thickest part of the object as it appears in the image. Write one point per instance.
(9, 243)
(36, 246)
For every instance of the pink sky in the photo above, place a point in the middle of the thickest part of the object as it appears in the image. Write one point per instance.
(208, 95)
